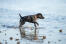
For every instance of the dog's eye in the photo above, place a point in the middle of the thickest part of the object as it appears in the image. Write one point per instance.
(39, 15)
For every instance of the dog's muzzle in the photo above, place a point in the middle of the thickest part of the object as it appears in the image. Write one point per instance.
(42, 17)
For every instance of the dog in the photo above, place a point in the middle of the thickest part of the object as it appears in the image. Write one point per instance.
(30, 18)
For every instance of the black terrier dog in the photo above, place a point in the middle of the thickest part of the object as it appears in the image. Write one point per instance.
(30, 18)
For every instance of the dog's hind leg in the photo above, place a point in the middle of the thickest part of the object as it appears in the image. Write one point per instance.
(22, 31)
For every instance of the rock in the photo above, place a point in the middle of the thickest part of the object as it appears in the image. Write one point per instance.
(0, 31)
(35, 38)
(5, 34)
(0, 43)
(59, 40)
(44, 37)
(11, 38)
(5, 42)
(17, 39)
(17, 34)
(18, 42)
(60, 30)
(48, 42)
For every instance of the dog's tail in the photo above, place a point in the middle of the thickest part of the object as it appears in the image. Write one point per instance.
(20, 15)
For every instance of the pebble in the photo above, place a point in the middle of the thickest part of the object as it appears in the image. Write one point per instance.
(60, 30)
(11, 38)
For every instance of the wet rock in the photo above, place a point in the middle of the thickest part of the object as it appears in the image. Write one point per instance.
(0, 43)
(11, 38)
(35, 38)
(48, 42)
(60, 30)
(0, 31)
(17, 34)
(44, 37)
(5, 34)
(5, 42)
(18, 42)
(17, 39)
(59, 40)
(55, 42)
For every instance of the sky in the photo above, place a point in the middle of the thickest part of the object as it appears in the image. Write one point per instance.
(35, 5)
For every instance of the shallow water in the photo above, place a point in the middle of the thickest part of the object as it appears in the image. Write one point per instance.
(51, 25)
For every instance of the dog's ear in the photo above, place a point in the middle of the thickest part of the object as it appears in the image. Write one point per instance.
(39, 15)
(20, 15)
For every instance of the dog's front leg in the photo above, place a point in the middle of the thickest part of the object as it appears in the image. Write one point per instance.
(36, 23)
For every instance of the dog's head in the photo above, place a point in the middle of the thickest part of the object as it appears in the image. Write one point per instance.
(39, 15)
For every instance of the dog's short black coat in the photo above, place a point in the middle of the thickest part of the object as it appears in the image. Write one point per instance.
(30, 18)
